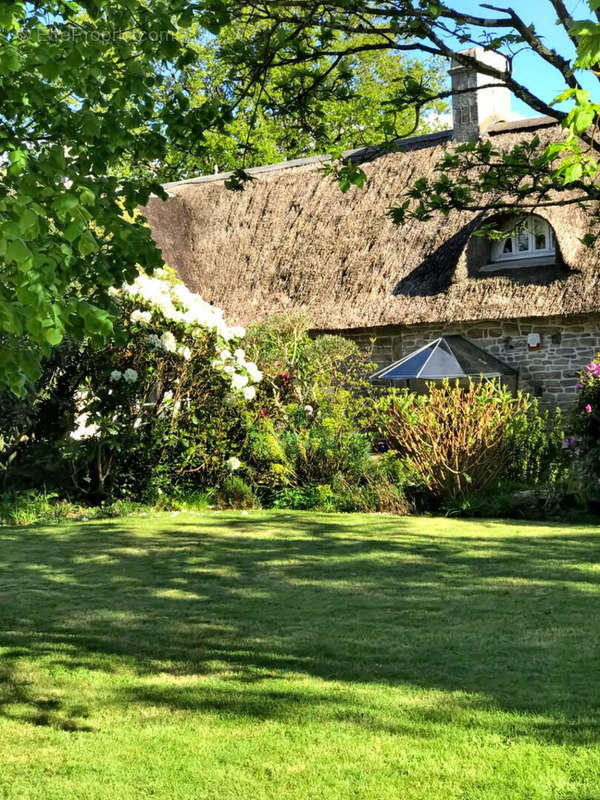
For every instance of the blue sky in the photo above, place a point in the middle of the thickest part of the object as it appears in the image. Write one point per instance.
(528, 68)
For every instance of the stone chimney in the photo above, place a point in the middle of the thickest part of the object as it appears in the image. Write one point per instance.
(474, 110)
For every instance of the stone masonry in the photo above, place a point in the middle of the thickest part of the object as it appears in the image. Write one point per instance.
(550, 373)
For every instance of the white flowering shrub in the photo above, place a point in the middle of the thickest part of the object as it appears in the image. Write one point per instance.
(184, 317)
(164, 401)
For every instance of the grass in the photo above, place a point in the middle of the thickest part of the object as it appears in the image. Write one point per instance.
(295, 656)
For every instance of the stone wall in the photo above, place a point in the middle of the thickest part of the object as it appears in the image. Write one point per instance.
(550, 373)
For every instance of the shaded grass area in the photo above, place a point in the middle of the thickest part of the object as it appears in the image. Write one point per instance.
(291, 655)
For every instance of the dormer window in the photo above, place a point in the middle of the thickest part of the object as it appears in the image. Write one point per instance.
(527, 242)
(526, 238)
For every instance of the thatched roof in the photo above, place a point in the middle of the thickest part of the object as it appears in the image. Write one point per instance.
(292, 240)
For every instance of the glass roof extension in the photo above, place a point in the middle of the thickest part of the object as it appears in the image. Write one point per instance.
(446, 357)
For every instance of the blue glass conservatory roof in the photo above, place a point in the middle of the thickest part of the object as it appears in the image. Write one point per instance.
(446, 357)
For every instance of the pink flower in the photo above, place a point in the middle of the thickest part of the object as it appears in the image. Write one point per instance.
(593, 369)
(588, 408)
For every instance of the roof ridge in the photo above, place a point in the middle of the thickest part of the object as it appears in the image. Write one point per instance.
(369, 152)
(357, 154)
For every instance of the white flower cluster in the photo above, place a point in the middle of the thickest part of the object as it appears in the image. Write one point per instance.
(141, 317)
(168, 343)
(177, 304)
(129, 376)
(233, 463)
(242, 373)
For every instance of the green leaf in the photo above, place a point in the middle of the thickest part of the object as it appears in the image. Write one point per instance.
(588, 45)
(90, 124)
(65, 202)
(87, 197)
(87, 244)
(96, 320)
(56, 158)
(73, 230)
(237, 181)
(566, 95)
(18, 161)
(53, 336)
(28, 224)
(582, 119)
(11, 319)
(50, 69)
(572, 172)
(10, 60)
(18, 251)
(8, 18)
(29, 363)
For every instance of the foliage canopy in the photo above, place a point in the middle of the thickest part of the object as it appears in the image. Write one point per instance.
(315, 40)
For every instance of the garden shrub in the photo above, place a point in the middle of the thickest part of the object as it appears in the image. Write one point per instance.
(316, 462)
(510, 500)
(537, 456)
(33, 506)
(175, 407)
(307, 453)
(583, 441)
(375, 492)
(297, 498)
(30, 426)
(300, 369)
(311, 445)
(162, 404)
(234, 492)
(25, 507)
(159, 408)
(461, 439)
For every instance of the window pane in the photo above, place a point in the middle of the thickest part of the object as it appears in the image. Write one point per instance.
(523, 242)
(508, 248)
(539, 229)
(539, 225)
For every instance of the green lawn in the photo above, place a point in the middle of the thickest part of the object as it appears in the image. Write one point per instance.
(294, 656)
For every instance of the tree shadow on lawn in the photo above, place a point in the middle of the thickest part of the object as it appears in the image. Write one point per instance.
(511, 621)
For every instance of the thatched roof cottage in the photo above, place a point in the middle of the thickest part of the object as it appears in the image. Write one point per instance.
(292, 240)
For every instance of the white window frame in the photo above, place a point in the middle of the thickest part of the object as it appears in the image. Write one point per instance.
(498, 256)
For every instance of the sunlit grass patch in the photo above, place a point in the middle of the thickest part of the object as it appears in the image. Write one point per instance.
(291, 655)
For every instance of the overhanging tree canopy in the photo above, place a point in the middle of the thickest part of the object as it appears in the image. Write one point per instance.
(94, 97)
(99, 99)
(314, 40)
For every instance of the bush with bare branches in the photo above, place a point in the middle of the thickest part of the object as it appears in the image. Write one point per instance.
(457, 438)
